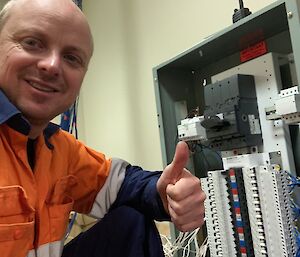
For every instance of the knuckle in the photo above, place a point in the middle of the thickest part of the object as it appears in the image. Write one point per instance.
(177, 221)
(174, 194)
(202, 213)
(195, 182)
(179, 210)
(199, 200)
(201, 197)
(169, 189)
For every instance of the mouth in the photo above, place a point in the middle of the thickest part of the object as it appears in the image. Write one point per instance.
(41, 87)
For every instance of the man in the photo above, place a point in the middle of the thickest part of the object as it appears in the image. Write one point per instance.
(45, 49)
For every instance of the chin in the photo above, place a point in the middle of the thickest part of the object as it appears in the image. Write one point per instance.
(40, 113)
(38, 117)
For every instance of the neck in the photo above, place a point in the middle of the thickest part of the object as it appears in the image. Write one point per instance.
(35, 132)
(36, 129)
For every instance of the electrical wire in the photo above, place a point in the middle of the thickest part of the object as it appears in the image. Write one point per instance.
(187, 243)
(295, 182)
(74, 119)
(214, 162)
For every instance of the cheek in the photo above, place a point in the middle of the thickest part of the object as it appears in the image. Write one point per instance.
(12, 55)
(71, 94)
(74, 82)
(14, 64)
(11, 72)
(7, 73)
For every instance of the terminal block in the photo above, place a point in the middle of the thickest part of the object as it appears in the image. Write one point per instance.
(248, 212)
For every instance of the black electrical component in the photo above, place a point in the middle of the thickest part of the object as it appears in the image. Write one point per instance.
(240, 13)
(231, 118)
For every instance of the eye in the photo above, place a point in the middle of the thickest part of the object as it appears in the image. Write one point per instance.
(31, 43)
(73, 59)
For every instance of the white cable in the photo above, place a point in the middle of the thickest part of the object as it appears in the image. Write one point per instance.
(185, 241)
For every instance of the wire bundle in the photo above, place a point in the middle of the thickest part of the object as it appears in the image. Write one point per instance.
(187, 243)
(295, 182)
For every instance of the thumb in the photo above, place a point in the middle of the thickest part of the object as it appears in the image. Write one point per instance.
(174, 170)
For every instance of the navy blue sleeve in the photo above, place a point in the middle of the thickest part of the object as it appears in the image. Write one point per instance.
(138, 191)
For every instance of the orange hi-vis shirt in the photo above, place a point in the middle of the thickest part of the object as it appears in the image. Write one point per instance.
(35, 203)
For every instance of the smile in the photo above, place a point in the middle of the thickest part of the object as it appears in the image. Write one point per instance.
(40, 87)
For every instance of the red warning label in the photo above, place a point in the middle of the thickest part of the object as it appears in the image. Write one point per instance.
(253, 51)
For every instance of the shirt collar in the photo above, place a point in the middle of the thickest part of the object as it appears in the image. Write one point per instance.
(7, 110)
(13, 117)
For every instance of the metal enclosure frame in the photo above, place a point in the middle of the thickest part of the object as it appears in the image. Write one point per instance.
(179, 81)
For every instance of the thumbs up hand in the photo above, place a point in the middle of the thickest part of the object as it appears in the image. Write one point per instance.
(181, 192)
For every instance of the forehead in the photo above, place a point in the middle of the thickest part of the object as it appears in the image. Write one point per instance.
(55, 8)
(58, 19)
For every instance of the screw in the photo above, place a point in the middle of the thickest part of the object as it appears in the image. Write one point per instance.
(290, 15)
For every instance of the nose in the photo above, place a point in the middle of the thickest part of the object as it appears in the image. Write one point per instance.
(50, 64)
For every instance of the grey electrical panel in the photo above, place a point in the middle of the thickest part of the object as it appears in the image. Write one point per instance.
(242, 85)
(187, 78)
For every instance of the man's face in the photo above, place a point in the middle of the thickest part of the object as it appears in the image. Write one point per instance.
(45, 47)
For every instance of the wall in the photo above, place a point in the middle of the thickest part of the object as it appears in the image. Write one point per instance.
(2, 3)
(118, 112)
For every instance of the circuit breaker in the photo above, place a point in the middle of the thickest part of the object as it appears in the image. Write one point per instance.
(231, 118)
